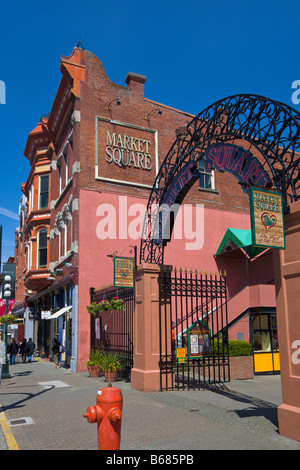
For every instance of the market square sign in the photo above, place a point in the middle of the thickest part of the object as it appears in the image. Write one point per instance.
(267, 219)
(125, 153)
(238, 161)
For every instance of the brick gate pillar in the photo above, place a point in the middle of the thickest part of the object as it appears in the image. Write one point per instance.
(145, 374)
(287, 282)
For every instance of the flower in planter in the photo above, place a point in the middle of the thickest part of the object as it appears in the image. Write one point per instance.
(95, 358)
(117, 304)
(105, 306)
(8, 319)
(111, 361)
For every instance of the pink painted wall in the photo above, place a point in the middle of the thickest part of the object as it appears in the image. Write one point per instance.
(216, 223)
(96, 269)
(259, 295)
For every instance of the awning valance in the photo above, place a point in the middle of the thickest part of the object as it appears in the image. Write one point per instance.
(60, 312)
(237, 239)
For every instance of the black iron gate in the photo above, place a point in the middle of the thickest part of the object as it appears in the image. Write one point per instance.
(191, 300)
(113, 330)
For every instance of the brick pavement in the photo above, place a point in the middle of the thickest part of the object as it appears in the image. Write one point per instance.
(239, 415)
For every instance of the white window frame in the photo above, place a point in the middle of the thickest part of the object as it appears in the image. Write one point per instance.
(38, 249)
(41, 176)
(210, 173)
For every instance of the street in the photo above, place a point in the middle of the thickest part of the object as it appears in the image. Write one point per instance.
(44, 406)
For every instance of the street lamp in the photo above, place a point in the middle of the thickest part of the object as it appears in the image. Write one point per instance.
(7, 294)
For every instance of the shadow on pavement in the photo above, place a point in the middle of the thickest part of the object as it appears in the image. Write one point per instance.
(19, 403)
(258, 407)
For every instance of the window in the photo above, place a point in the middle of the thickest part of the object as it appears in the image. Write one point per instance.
(42, 248)
(206, 179)
(65, 240)
(261, 341)
(66, 166)
(264, 327)
(44, 192)
(60, 178)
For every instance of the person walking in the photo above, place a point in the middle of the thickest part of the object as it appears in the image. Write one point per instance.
(30, 349)
(13, 351)
(56, 352)
(23, 350)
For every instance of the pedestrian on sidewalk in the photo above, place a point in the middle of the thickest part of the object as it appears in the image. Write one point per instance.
(13, 351)
(23, 350)
(56, 352)
(30, 349)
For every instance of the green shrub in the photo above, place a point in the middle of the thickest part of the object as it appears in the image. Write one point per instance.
(111, 361)
(236, 348)
(95, 358)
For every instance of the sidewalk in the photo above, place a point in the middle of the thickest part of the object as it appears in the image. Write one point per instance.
(41, 408)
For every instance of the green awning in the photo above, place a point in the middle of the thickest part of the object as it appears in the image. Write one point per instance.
(235, 239)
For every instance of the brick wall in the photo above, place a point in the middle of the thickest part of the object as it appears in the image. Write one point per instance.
(96, 92)
(241, 367)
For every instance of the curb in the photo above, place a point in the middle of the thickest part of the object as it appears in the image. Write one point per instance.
(9, 437)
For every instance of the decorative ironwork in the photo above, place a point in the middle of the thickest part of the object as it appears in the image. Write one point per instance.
(271, 127)
(187, 297)
(113, 330)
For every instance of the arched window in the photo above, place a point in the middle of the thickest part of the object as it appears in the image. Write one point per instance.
(42, 248)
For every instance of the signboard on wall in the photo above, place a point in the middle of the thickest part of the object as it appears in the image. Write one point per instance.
(241, 163)
(125, 153)
(267, 218)
(198, 340)
(124, 272)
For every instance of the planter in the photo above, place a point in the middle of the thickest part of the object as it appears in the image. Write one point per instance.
(94, 371)
(241, 367)
(111, 375)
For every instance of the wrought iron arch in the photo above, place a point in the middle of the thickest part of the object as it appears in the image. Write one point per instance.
(273, 128)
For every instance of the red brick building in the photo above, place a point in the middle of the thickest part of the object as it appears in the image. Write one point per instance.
(94, 161)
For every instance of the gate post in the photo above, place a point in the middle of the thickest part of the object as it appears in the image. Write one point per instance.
(145, 374)
(287, 282)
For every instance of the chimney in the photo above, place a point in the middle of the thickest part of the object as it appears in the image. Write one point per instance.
(136, 83)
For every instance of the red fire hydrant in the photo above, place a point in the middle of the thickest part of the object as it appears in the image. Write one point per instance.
(108, 415)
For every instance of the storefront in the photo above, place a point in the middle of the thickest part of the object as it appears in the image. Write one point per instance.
(61, 328)
(264, 340)
(53, 319)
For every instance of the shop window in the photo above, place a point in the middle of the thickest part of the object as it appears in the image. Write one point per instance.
(44, 192)
(264, 328)
(274, 335)
(206, 178)
(261, 341)
(42, 248)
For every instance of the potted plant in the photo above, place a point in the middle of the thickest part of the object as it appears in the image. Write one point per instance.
(111, 364)
(117, 304)
(94, 363)
(8, 319)
(106, 306)
(95, 308)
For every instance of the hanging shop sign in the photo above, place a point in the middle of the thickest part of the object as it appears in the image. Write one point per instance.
(124, 272)
(198, 340)
(267, 218)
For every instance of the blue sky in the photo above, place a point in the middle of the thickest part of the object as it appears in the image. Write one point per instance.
(193, 53)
